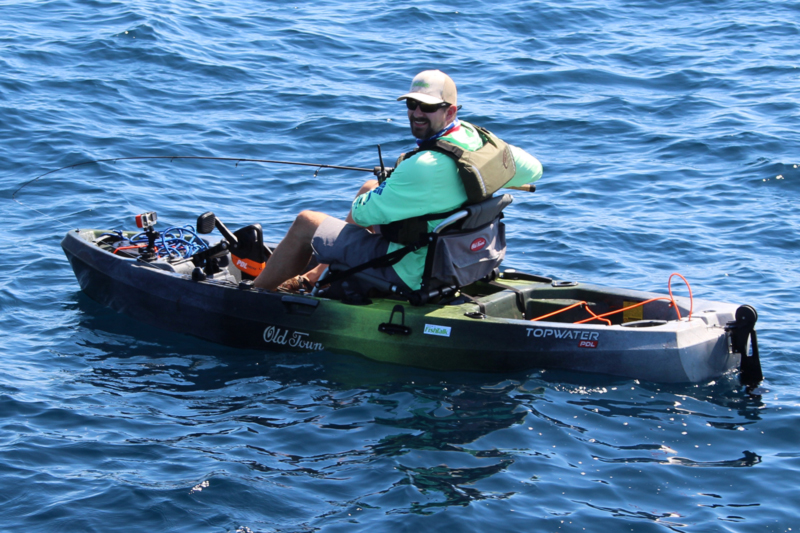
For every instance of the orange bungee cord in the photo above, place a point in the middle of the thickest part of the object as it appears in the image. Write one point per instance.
(585, 305)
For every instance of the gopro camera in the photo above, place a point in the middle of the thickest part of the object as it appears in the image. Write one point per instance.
(146, 220)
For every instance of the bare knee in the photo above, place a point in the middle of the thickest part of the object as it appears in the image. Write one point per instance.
(307, 222)
(368, 186)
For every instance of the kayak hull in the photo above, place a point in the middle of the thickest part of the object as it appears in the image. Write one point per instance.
(488, 336)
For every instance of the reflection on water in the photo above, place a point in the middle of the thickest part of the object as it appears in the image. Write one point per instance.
(448, 418)
(397, 440)
(452, 483)
(660, 154)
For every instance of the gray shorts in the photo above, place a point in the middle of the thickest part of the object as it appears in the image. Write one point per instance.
(336, 241)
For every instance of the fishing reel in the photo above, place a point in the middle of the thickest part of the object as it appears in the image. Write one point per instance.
(146, 221)
(382, 172)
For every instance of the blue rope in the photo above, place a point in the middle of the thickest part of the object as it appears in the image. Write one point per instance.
(180, 242)
(115, 233)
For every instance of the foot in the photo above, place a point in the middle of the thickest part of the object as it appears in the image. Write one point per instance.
(296, 284)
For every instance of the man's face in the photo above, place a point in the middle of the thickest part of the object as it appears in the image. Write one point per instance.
(424, 125)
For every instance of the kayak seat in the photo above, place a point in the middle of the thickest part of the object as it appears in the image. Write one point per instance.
(467, 246)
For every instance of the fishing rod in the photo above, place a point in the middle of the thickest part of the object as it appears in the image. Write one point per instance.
(378, 170)
(173, 157)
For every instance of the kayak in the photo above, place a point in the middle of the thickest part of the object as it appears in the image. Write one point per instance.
(515, 322)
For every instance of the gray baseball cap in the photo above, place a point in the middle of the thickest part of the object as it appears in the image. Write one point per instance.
(432, 87)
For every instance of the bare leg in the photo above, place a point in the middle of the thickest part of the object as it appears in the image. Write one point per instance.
(315, 273)
(368, 186)
(293, 253)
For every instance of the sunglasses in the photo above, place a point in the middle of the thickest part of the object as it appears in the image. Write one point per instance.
(425, 108)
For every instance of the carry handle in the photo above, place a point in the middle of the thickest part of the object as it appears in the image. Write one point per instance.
(449, 221)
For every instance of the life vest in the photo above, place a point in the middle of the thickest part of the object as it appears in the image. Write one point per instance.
(483, 172)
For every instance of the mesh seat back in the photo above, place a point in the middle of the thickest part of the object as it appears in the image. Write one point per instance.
(469, 250)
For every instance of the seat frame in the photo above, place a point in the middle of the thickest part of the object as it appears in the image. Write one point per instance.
(466, 220)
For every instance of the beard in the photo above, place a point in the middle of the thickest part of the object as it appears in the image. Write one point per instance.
(421, 128)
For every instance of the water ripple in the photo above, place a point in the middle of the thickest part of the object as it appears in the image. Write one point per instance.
(668, 132)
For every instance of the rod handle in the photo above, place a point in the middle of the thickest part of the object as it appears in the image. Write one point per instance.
(528, 187)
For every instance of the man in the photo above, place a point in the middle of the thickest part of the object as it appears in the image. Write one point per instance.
(425, 183)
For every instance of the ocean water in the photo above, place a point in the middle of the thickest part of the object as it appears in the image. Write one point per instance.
(670, 136)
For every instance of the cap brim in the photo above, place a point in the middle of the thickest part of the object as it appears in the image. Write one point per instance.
(421, 97)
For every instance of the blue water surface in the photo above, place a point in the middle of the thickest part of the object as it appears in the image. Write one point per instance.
(669, 133)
